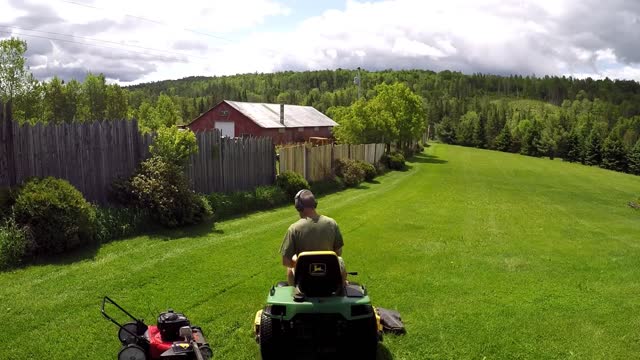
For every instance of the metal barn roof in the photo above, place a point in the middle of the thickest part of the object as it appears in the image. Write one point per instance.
(268, 115)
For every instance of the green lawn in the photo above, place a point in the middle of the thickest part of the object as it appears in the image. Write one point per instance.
(485, 254)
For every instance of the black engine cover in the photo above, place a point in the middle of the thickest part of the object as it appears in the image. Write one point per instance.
(169, 324)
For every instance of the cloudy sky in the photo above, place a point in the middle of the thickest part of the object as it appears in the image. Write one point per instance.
(138, 40)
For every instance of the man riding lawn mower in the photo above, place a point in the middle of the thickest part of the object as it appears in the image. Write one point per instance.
(316, 314)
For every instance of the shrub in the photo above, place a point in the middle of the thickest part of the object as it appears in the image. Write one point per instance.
(230, 204)
(369, 170)
(381, 168)
(327, 186)
(221, 204)
(161, 188)
(56, 214)
(121, 192)
(270, 196)
(394, 161)
(116, 223)
(339, 166)
(242, 202)
(15, 244)
(352, 174)
(291, 183)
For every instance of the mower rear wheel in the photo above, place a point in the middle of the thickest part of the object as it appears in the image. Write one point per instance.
(124, 336)
(269, 339)
(132, 352)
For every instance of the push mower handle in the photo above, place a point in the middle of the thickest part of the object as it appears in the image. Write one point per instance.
(105, 300)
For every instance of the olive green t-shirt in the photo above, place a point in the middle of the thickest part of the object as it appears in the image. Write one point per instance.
(311, 234)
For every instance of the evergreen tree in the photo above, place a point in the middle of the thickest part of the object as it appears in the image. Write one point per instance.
(503, 140)
(531, 136)
(469, 122)
(614, 154)
(633, 159)
(445, 131)
(593, 148)
(574, 148)
(479, 138)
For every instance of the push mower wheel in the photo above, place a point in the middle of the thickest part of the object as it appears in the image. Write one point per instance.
(132, 352)
(123, 335)
(269, 339)
(206, 352)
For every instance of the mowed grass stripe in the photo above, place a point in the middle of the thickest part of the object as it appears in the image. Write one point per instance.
(484, 253)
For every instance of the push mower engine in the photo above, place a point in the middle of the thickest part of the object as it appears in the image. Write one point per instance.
(172, 337)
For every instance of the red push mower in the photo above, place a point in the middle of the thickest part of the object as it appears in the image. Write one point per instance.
(173, 338)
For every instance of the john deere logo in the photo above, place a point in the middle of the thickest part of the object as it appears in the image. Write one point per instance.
(318, 269)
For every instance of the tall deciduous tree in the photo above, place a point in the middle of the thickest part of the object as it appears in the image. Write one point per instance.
(395, 114)
(29, 104)
(14, 76)
(55, 101)
(400, 110)
(117, 103)
(168, 112)
(94, 97)
(148, 120)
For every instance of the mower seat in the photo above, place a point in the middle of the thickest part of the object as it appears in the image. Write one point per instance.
(317, 274)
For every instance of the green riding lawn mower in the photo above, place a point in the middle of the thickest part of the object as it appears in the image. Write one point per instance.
(320, 316)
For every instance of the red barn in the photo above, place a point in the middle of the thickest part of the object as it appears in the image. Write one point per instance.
(283, 123)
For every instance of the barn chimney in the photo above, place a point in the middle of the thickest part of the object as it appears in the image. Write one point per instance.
(282, 114)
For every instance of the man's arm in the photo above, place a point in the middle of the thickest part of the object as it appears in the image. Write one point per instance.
(288, 262)
(287, 249)
(338, 242)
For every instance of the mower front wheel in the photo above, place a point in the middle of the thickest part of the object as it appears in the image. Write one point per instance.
(132, 352)
(269, 338)
(206, 352)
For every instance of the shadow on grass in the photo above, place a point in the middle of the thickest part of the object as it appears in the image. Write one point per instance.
(89, 252)
(427, 159)
(86, 253)
(207, 227)
(383, 353)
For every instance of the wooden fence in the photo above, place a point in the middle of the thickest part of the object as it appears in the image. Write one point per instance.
(224, 165)
(90, 156)
(316, 163)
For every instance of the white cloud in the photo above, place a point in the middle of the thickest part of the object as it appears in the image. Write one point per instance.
(571, 37)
